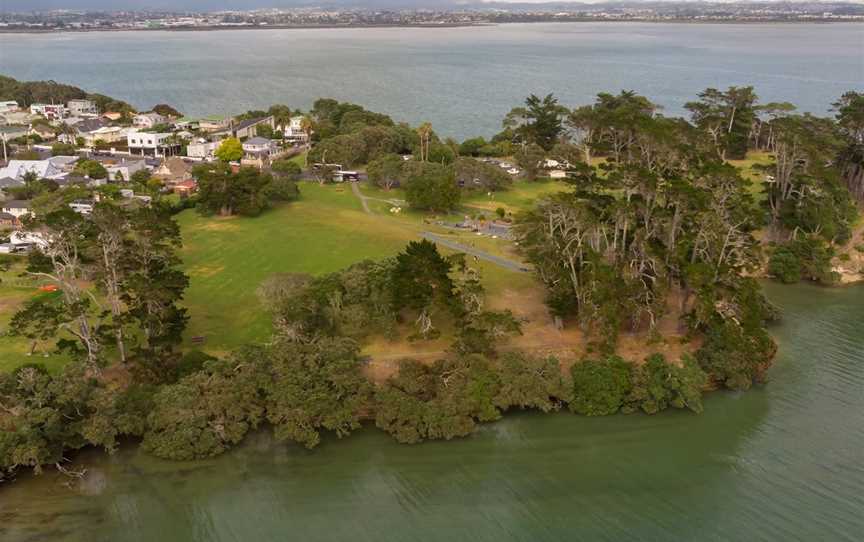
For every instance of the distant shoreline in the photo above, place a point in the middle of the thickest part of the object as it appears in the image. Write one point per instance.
(407, 25)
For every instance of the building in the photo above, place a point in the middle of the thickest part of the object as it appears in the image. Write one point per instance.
(148, 120)
(186, 188)
(8, 220)
(82, 206)
(249, 127)
(148, 144)
(49, 111)
(8, 182)
(173, 170)
(123, 169)
(258, 151)
(16, 207)
(44, 132)
(8, 107)
(107, 134)
(202, 149)
(214, 124)
(82, 108)
(50, 168)
(294, 133)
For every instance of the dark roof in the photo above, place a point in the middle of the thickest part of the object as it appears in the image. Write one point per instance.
(17, 204)
(249, 122)
(7, 216)
(89, 125)
(257, 141)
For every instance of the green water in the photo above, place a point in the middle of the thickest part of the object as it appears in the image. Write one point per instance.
(783, 462)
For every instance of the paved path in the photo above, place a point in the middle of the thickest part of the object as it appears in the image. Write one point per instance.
(501, 262)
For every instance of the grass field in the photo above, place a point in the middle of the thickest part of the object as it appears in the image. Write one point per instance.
(749, 168)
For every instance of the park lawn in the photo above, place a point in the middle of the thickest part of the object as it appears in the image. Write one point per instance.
(520, 196)
(14, 291)
(226, 259)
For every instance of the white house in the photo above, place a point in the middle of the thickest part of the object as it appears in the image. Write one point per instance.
(557, 174)
(49, 111)
(125, 168)
(82, 206)
(148, 120)
(202, 149)
(82, 108)
(258, 151)
(16, 207)
(28, 238)
(294, 133)
(147, 144)
(8, 106)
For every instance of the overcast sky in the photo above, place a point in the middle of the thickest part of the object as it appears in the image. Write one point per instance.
(209, 5)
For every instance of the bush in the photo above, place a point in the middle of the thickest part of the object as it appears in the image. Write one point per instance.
(785, 266)
(600, 386)
(657, 385)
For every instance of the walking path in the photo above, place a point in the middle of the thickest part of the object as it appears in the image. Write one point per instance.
(497, 260)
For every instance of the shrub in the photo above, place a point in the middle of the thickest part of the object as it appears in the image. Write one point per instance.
(600, 386)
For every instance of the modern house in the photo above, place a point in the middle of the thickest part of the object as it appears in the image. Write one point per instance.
(258, 151)
(82, 108)
(202, 149)
(49, 111)
(148, 144)
(294, 133)
(50, 168)
(148, 120)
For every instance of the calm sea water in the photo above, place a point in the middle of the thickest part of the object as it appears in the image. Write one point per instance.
(782, 462)
(463, 80)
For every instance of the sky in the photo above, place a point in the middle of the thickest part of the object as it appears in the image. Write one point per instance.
(210, 5)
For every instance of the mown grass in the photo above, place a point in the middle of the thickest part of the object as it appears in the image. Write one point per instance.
(227, 259)
(750, 168)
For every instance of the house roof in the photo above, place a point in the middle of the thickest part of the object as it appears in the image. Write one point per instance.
(90, 125)
(9, 182)
(249, 122)
(17, 204)
(7, 216)
(257, 141)
(43, 168)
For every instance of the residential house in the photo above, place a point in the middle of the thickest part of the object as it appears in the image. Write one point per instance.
(149, 144)
(249, 127)
(214, 124)
(107, 134)
(50, 168)
(17, 207)
(49, 111)
(186, 188)
(122, 169)
(148, 120)
(8, 220)
(258, 151)
(112, 115)
(8, 106)
(17, 117)
(25, 239)
(294, 133)
(82, 206)
(44, 132)
(74, 130)
(8, 133)
(202, 149)
(557, 174)
(82, 108)
(173, 170)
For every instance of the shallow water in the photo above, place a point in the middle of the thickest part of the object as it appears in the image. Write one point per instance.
(781, 462)
(463, 80)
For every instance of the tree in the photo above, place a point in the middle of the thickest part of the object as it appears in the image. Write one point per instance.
(850, 120)
(91, 169)
(474, 174)
(530, 159)
(63, 149)
(230, 150)
(544, 125)
(727, 118)
(656, 385)
(286, 168)
(222, 191)
(385, 171)
(600, 386)
(315, 386)
(430, 187)
(167, 111)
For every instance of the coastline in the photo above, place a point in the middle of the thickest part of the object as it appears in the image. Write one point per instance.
(417, 25)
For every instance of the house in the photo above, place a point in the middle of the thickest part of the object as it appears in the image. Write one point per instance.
(173, 170)
(112, 115)
(80, 129)
(258, 151)
(214, 123)
(8, 106)
(9, 133)
(148, 120)
(513, 171)
(82, 206)
(185, 188)
(17, 207)
(50, 168)
(49, 111)
(23, 240)
(123, 169)
(82, 108)
(558, 174)
(8, 219)
(44, 132)
(202, 149)
(249, 127)
(107, 134)
(294, 133)
(148, 144)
